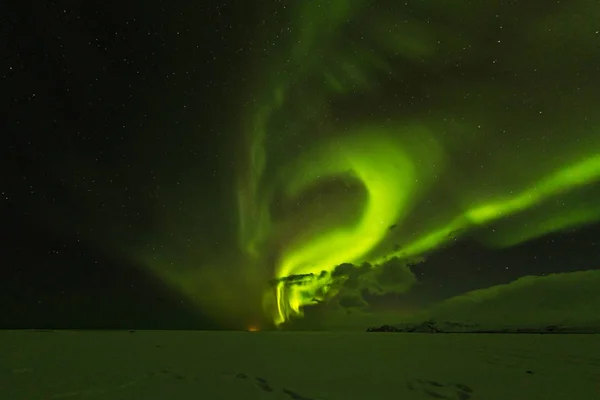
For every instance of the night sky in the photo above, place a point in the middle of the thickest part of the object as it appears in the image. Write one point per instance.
(195, 166)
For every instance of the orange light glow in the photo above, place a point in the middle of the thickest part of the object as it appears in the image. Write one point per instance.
(253, 329)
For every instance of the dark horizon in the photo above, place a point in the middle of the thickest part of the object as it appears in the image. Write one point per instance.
(116, 295)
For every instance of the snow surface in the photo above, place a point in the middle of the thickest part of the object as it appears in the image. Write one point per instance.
(198, 365)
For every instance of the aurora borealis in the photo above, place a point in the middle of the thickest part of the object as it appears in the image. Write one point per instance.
(404, 155)
(342, 133)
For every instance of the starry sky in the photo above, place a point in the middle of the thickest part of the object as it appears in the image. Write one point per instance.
(266, 163)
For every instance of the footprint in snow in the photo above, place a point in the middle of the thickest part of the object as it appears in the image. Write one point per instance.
(437, 390)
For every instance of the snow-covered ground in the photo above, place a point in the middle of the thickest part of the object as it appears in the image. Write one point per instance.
(296, 366)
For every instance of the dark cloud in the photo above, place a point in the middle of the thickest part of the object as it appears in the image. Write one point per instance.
(352, 302)
(394, 276)
(352, 282)
(299, 279)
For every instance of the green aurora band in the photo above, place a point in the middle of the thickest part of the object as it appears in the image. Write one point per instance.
(396, 159)
(367, 133)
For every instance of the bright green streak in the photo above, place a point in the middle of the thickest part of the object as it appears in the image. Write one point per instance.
(566, 179)
(389, 177)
